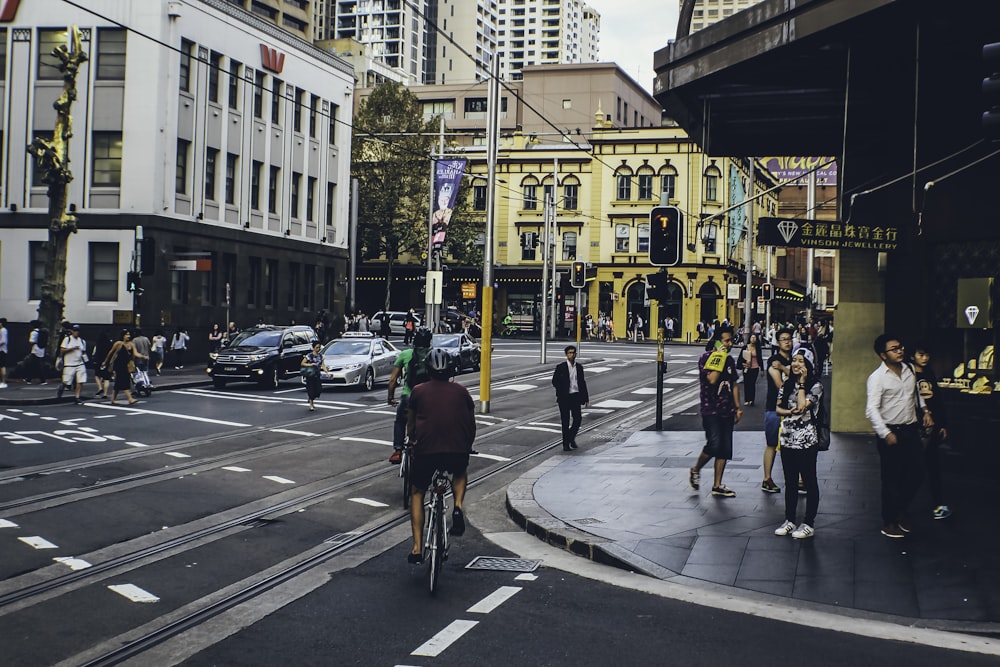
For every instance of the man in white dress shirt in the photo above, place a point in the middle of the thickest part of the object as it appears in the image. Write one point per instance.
(892, 408)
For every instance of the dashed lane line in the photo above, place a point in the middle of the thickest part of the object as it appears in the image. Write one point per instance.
(279, 480)
(133, 593)
(538, 428)
(494, 600)
(367, 501)
(291, 432)
(374, 441)
(235, 469)
(38, 542)
(434, 646)
(175, 415)
(223, 397)
(73, 563)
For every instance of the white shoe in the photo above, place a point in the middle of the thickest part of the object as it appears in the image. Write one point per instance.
(784, 529)
(3, 385)
(803, 531)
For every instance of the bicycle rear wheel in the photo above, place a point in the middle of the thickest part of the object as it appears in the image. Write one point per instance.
(437, 540)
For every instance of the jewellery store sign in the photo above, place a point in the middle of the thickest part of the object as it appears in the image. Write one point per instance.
(833, 234)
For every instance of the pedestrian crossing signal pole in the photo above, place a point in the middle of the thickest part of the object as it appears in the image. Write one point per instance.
(661, 368)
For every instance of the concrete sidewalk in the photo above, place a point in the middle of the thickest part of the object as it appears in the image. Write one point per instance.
(629, 504)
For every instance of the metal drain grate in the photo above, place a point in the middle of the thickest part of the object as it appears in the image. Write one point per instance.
(503, 564)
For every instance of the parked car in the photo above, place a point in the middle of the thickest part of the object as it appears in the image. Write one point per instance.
(462, 348)
(264, 354)
(358, 360)
(397, 322)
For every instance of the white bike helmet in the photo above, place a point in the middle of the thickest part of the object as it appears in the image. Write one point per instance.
(439, 362)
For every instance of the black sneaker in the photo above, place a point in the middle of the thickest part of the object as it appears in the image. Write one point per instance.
(723, 492)
(457, 523)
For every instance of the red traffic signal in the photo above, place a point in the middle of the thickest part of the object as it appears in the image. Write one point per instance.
(665, 223)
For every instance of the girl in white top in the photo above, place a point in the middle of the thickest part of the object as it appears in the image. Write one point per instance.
(157, 351)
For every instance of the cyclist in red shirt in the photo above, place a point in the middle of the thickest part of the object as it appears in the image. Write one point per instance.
(441, 426)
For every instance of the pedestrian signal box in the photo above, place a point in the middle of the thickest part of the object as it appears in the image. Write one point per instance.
(665, 224)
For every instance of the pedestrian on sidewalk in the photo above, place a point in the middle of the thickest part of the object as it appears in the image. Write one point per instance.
(778, 368)
(720, 409)
(934, 437)
(102, 373)
(215, 337)
(34, 366)
(158, 351)
(571, 394)
(3, 352)
(798, 406)
(73, 351)
(120, 361)
(751, 368)
(179, 344)
(892, 408)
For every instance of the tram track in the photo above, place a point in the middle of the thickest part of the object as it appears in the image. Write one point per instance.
(23, 596)
(135, 647)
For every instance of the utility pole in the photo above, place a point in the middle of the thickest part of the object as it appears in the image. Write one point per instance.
(492, 144)
(748, 312)
(52, 157)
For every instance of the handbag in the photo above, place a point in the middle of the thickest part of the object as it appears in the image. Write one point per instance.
(822, 427)
(309, 372)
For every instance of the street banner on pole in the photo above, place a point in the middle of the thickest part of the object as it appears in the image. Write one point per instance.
(447, 178)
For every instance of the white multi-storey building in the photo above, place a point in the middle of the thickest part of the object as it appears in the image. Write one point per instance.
(224, 138)
(462, 25)
(546, 32)
(394, 31)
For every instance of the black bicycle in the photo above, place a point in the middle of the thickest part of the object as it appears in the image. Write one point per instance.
(435, 525)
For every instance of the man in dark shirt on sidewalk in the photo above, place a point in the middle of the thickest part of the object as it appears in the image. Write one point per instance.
(720, 409)
(441, 424)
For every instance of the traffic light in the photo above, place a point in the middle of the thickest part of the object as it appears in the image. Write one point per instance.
(665, 224)
(767, 291)
(529, 240)
(991, 91)
(148, 255)
(578, 278)
(657, 285)
(133, 281)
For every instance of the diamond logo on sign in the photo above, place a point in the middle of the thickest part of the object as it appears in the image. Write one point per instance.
(787, 229)
(971, 313)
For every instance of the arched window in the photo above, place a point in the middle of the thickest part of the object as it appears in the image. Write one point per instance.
(645, 180)
(623, 182)
(712, 178)
(668, 183)
(571, 193)
(529, 191)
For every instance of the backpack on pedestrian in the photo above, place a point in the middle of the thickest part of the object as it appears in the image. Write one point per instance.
(418, 369)
(42, 340)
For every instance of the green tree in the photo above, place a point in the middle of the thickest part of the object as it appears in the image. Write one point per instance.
(391, 154)
(390, 157)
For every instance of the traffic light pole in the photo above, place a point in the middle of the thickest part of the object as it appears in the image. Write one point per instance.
(578, 319)
(661, 368)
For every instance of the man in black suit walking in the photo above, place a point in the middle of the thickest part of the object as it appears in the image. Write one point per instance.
(571, 394)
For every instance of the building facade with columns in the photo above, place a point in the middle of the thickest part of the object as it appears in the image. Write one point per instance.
(223, 138)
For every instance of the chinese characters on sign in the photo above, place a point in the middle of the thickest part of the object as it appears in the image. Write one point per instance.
(832, 234)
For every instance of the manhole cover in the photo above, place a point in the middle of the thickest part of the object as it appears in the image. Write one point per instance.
(503, 564)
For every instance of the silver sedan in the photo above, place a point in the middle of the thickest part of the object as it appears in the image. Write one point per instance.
(357, 362)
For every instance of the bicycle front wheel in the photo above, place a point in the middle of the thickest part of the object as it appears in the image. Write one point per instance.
(437, 541)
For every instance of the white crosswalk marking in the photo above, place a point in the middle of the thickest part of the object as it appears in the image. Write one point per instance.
(134, 593)
(612, 403)
(494, 600)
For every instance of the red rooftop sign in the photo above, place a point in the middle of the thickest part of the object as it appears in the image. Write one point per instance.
(8, 8)
(271, 58)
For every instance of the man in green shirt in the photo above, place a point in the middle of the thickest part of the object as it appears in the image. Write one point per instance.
(421, 346)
